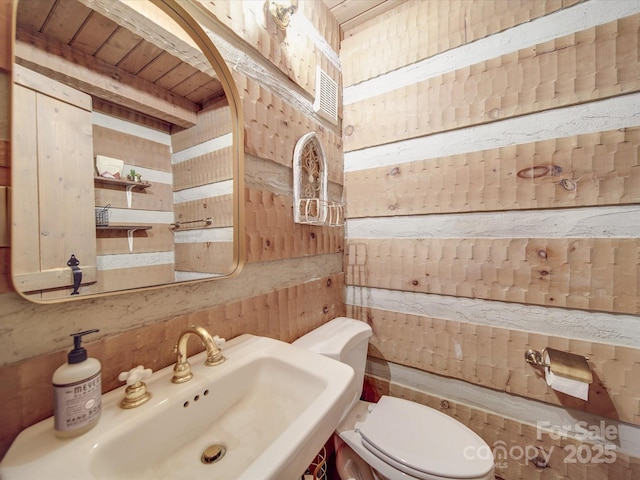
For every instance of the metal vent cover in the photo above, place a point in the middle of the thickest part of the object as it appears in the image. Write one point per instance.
(326, 102)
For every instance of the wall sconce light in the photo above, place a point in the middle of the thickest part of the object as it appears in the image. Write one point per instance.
(281, 11)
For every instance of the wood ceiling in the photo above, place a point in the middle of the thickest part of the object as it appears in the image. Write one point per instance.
(351, 13)
(74, 32)
(70, 31)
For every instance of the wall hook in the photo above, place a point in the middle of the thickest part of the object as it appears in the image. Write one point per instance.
(73, 262)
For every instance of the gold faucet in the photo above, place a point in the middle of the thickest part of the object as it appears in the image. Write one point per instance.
(182, 369)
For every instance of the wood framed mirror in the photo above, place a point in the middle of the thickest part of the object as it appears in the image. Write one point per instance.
(127, 150)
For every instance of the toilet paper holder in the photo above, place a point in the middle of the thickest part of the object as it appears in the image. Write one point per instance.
(564, 364)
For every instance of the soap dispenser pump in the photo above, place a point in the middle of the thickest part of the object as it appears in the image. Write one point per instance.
(77, 391)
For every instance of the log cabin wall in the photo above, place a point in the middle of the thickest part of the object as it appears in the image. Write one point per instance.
(492, 182)
(292, 280)
(202, 163)
(149, 258)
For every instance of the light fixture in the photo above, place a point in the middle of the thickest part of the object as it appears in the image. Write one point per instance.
(281, 11)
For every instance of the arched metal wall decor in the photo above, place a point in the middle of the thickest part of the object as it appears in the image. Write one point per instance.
(311, 205)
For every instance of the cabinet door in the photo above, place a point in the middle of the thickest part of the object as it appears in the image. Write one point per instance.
(52, 182)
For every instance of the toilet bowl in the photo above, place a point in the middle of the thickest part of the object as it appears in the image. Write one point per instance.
(394, 439)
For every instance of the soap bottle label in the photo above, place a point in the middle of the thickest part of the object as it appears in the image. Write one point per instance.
(78, 404)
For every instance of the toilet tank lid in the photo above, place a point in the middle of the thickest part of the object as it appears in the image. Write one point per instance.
(335, 337)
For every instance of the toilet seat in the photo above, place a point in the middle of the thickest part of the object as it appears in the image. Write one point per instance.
(423, 442)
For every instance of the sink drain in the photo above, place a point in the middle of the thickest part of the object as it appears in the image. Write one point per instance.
(213, 453)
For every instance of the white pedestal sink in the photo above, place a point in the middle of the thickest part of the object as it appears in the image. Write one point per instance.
(271, 405)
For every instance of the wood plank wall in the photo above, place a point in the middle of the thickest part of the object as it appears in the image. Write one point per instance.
(147, 150)
(287, 50)
(492, 181)
(292, 280)
(202, 161)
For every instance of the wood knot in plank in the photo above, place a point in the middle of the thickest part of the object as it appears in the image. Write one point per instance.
(568, 185)
(538, 171)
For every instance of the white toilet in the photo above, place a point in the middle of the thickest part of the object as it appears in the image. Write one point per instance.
(394, 439)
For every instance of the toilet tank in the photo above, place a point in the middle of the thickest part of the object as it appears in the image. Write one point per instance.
(343, 339)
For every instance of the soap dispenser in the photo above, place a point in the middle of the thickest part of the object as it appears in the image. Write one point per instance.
(77, 391)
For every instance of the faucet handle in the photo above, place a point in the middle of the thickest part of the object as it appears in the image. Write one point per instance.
(135, 375)
(136, 392)
(219, 341)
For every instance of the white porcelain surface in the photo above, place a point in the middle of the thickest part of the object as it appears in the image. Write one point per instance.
(271, 404)
(348, 430)
(418, 439)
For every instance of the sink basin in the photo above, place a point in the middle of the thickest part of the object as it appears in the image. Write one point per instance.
(271, 405)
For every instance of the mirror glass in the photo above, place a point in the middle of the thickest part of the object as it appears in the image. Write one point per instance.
(126, 150)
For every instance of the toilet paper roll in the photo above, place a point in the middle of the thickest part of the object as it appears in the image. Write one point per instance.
(569, 386)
